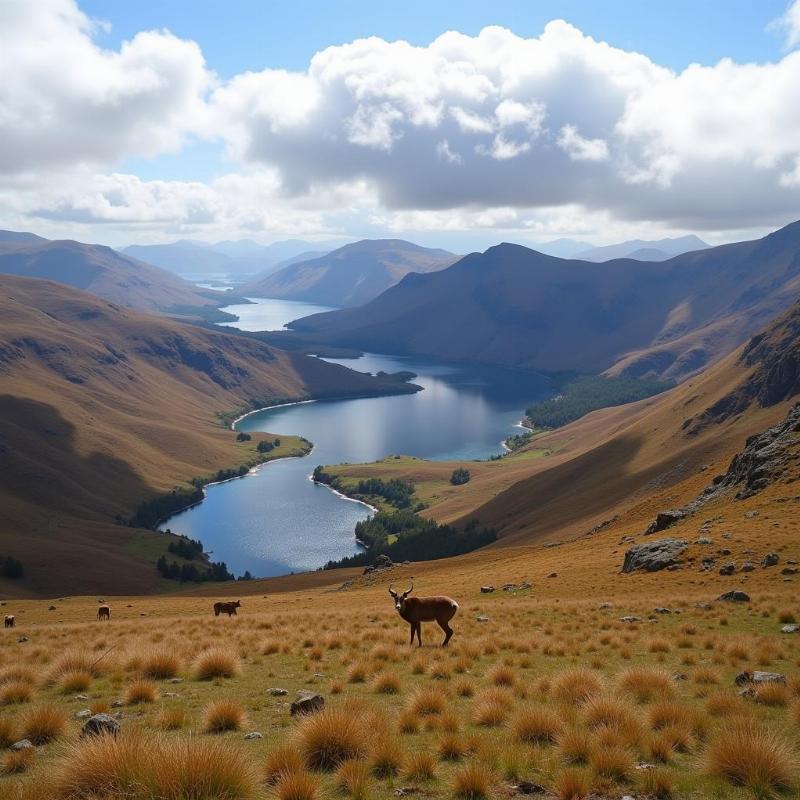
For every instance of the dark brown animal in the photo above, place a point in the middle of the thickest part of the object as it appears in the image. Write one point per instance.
(104, 612)
(416, 610)
(226, 608)
(9, 621)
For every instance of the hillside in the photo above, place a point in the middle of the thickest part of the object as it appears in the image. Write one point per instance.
(351, 275)
(516, 307)
(106, 273)
(102, 408)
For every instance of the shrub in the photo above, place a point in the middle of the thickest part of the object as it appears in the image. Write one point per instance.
(472, 782)
(750, 755)
(223, 715)
(43, 723)
(216, 663)
(332, 736)
(460, 476)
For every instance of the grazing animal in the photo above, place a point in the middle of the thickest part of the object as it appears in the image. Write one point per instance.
(416, 610)
(104, 612)
(226, 608)
(9, 621)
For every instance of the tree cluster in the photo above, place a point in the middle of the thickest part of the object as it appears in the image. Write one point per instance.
(460, 476)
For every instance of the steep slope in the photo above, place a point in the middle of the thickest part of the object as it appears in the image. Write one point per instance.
(103, 272)
(353, 274)
(102, 408)
(517, 307)
(664, 248)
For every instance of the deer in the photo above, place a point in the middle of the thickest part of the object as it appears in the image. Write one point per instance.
(9, 621)
(104, 612)
(227, 608)
(416, 610)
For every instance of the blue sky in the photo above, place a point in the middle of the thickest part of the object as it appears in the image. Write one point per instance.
(525, 121)
(238, 35)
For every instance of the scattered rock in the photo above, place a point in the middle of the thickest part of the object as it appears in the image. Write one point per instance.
(725, 552)
(81, 697)
(278, 692)
(749, 514)
(770, 560)
(679, 676)
(748, 566)
(176, 680)
(487, 589)
(789, 571)
(84, 714)
(307, 703)
(524, 586)
(52, 608)
(727, 535)
(662, 610)
(735, 596)
(482, 619)
(553, 575)
(727, 569)
(529, 787)
(22, 639)
(758, 677)
(604, 606)
(704, 540)
(253, 735)
(654, 556)
(404, 791)
(664, 520)
(22, 744)
(629, 618)
(117, 704)
(643, 765)
(100, 724)
(790, 629)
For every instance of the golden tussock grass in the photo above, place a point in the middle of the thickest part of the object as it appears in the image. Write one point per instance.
(656, 783)
(172, 719)
(420, 766)
(224, 715)
(159, 664)
(752, 755)
(15, 693)
(75, 681)
(282, 761)
(387, 683)
(17, 762)
(386, 755)
(576, 686)
(140, 692)
(43, 723)
(612, 762)
(473, 781)
(645, 684)
(575, 745)
(216, 663)
(297, 786)
(8, 731)
(572, 784)
(352, 778)
(773, 694)
(331, 736)
(452, 747)
(426, 702)
(537, 725)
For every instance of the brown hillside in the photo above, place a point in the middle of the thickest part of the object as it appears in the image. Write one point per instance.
(102, 408)
(104, 272)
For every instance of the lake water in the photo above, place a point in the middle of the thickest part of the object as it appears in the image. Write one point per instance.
(270, 314)
(277, 520)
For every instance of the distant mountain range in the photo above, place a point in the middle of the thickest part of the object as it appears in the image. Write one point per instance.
(643, 250)
(351, 275)
(239, 260)
(104, 272)
(517, 307)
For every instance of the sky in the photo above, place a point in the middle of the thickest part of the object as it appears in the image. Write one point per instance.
(456, 125)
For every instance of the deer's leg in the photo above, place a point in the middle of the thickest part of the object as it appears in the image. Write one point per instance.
(448, 631)
(419, 634)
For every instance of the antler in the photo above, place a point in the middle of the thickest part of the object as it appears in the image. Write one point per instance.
(408, 591)
(392, 592)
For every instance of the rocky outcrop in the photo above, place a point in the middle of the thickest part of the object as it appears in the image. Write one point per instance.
(767, 458)
(99, 725)
(654, 556)
(307, 703)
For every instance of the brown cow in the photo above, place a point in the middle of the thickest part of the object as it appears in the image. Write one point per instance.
(9, 621)
(226, 608)
(104, 612)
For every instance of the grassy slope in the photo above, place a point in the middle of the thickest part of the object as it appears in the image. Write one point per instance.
(102, 408)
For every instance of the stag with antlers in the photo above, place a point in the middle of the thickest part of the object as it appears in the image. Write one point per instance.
(416, 610)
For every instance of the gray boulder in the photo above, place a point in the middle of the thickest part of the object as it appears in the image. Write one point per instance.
(487, 589)
(790, 629)
(735, 596)
(664, 520)
(307, 703)
(654, 556)
(22, 744)
(770, 560)
(727, 569)
(100, 724)
(743, 678)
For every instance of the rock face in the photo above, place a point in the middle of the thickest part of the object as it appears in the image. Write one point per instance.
(307, 703)
(100, 724)
(654, 556)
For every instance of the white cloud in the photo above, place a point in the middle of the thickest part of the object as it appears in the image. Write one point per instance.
(580, 149)
(64, 100)
(492, 129)
(789, 24)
